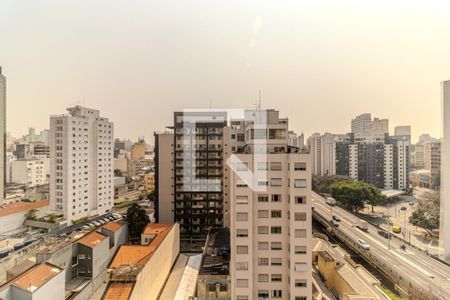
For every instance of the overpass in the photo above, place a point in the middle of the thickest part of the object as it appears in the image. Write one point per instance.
(410, 269)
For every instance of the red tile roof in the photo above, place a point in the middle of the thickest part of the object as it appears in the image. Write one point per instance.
(118, 291)
(113, 226)
(92, 239)
(36, 277)
(17, 207)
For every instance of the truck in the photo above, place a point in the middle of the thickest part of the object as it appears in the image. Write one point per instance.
(330, 201)
(363, 225)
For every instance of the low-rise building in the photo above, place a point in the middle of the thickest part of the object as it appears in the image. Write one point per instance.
(141, 271)
(31, 172)
(41, 282)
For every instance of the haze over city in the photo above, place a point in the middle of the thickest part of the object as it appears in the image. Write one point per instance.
(139, 61)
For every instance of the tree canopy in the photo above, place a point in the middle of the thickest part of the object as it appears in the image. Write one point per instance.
(137, 220)
(353, 195)
(322, 184)
(427, 213)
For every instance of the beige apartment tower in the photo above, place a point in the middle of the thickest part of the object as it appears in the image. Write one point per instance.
(2, 135)
(270, 211)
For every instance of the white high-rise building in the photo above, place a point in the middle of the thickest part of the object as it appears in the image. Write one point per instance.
(367, 130)
(81, 164)
(270, 213)
(444, 233)
(2, 135)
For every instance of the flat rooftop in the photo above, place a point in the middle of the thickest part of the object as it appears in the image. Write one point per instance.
(113, 226)
(18, 207)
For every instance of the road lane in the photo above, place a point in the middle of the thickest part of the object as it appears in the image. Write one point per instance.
(419, 269)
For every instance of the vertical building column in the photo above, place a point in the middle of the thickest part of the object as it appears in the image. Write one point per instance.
(445, 172)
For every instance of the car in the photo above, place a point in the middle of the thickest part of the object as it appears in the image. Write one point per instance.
(403, 208)
(396, 229)
(336, 218)
(384, 234)
(106, 220)
(85, 227)
(363, 244)
(90, 225)
(334, 223)
(101, 221)
(111, 218)
(411, 203)
(97, 223)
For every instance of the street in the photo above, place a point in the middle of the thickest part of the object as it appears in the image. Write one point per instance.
(412, 267)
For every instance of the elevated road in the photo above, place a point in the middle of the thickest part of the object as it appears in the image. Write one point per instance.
(408, 268)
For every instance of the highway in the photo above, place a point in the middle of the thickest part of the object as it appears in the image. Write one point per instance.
(408, 268)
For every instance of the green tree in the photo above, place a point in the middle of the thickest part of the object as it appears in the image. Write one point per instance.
(31, 214)
(137, 219)
(353, 195)
(322, 184)
(427, 213)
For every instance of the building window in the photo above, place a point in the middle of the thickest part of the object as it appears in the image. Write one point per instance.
(74, 260)
(241, 199)
(276, 261)
(300, 267)
(300, 183)
(263, 295)
(300, 166)
(277, 294)
(242, 283)
(275, 182)
(263, 213)
(263, 198)
(275, 278)
(263, 261)
(243, 298)
(242, 232)
(242, 249)
(300, 216)
(262, 166)
(300, 200)
(275, 213)
(242, 266)
(263, 277)
(300, 283)
(263, 229)
(300, 233)
(275, 246)
(300, 249)
(275, 166)
(263, 245)
(276, 198)
(241, 216)
(275, 230)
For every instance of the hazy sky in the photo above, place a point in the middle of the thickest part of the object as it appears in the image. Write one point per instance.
(319, 62)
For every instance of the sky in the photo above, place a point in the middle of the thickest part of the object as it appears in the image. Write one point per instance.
(320, 63)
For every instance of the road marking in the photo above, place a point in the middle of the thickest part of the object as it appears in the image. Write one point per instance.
(426, 273)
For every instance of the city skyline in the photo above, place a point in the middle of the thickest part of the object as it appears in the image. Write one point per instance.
(141, 55)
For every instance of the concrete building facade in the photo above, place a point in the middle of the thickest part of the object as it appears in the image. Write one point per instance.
(444, 236)
(2, 135)
(270, 214)
(81, 164)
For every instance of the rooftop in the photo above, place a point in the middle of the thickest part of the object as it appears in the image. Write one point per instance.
(36, 277)
(128, 255)
(113, 226)
(17, 207)
(92, 239)
(118, 291)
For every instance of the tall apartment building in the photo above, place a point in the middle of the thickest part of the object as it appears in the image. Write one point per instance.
(367, 130)
(444, 236)
(2, 135)
(432, 157)
(81, 164)
(323, 151)
(191, 191)
(270, 212)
